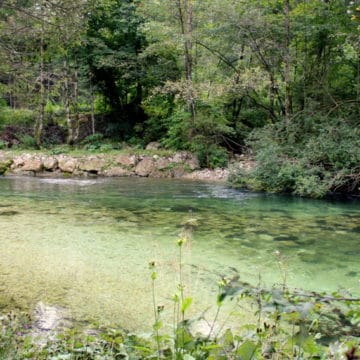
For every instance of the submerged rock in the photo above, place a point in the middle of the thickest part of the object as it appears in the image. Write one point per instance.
(49, 321)
(286, 238)
(8, 213)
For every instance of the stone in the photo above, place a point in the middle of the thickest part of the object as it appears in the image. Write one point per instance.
(178, 171)
(18, 161)
(117, 171)
(163, 163)
(180, 157)
(161, 174)
(216, 175)
(145, 167)
(154, 145)
(49, 321)
(94, 165)
(21, 172)
(67, 164)
(184, 157)
(50, 163)
(193, 163)
(32, 164)
(127, 160)
(4, 165)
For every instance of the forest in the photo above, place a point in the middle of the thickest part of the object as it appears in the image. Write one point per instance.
(278, 80)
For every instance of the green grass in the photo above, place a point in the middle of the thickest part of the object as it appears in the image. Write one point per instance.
(80, 151)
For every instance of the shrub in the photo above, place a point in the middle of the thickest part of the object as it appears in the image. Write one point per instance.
(27, 142)
(11, 134)
(16, 117)
(209, 155)
(93, 141)
(307, 158)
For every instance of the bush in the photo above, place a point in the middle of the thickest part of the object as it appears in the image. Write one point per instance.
(307, 158)
(16, 117)
(210, 155)
(11, 134)
(27, 142)
(93, 141)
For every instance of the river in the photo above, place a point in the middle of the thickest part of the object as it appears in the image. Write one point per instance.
(85, 244)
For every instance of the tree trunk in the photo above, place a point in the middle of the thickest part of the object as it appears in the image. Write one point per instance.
(287, 60)
(39, 123)
(185, 10)
(92, 100)
(69, 121)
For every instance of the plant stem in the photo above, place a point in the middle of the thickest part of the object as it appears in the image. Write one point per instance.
(156, 316)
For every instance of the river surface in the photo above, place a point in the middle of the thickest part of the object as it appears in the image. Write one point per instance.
(86, 244)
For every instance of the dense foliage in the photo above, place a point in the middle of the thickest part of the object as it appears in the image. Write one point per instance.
(281, 77)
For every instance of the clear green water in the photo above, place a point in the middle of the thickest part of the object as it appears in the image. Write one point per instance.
(86, 244)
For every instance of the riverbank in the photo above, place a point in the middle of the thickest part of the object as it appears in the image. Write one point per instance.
(307, 326)
(179, 165)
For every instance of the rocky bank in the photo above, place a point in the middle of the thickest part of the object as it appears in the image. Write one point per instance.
(180, 165)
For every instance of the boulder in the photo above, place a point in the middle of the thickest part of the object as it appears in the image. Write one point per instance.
(184, 157)
(154, 145)
(178, 171)
(4, 165)
(50, 163)
(163, 163)
(32, 164)
(117, 171)
(93, 165)
(21, 172)
(67, 164)
(18, 161)
(181, 157)
(161, 174)
(193, 163)
(145, 166)
(216, 175)
(127, 160)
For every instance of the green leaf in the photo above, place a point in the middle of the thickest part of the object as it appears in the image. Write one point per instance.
(185, 304)
(153, 275)
(158, 325)
(247, 350)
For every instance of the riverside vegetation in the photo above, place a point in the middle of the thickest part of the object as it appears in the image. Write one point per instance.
(288, 324)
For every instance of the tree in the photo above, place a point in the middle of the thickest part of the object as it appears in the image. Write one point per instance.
(111, 50)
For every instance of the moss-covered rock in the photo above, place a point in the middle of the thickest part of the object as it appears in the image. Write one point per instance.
(4, 165)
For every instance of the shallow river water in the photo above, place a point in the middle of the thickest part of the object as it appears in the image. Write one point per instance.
(86, 244)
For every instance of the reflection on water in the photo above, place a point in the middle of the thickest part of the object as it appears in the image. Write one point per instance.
(86, 244)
